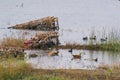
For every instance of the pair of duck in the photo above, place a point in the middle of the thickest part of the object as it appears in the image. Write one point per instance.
(55, 53)
(75, 56)
(91, 38)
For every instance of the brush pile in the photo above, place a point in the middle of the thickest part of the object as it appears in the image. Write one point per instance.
(43, 40)
(46, 24)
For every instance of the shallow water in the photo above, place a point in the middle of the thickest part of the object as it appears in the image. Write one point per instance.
(65, 61)
(77, 19)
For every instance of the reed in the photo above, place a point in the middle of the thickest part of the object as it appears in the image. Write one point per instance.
(113, 42)
(14, 40)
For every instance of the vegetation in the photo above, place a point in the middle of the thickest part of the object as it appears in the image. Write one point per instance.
(113, 42)
(14, 40)
(16, 69)
(12, 69)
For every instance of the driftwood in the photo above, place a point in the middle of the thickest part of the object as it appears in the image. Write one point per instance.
(43, 40)
(47, 23)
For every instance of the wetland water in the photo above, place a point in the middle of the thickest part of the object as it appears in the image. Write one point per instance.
(64, 59)
(77, 18)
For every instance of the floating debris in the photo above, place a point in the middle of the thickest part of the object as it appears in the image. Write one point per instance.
(45, 24)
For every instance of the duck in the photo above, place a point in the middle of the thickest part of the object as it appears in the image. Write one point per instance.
(53, 53)
(96, 59)
(33, 55)
(71, 50)
(85, 38)
(93, 38)
(76, 56)
(103, 39)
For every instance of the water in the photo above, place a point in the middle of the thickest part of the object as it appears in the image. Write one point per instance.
(65, 61)
(77, 19)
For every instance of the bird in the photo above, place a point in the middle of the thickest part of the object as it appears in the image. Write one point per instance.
(53, 53)
(96, 59)
(93, 38)
(76, 56)
(103, 39)
(85, 38)
(71, 50)
(33, 55)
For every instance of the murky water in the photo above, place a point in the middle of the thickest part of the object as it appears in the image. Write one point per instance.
(65, 60)
(77, 19)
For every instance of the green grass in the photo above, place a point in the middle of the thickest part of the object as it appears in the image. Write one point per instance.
(113, 42)
(12, 69)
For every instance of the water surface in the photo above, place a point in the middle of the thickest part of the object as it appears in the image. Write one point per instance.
(65, 59)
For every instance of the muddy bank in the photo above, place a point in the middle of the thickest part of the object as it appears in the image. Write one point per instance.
(87, 47)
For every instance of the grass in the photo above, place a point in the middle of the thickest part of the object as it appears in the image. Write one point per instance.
(12, 69)
(113, 42)
(79, 46)
(14, 40)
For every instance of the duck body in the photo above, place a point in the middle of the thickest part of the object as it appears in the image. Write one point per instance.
(53, 53)
(85, 38)
(33, 55)
(77, 56)
(103, 39)
(93, 38)
(96, 59)
(70, 50)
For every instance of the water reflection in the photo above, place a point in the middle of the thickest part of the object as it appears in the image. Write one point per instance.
(64, 60)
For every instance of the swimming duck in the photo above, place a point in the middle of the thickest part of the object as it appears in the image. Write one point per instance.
(93, 38)
(71, 50)
(85, 38)
(33, 55)
(53, 53)
(76, 56)
(103, 39)
(96, 59)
